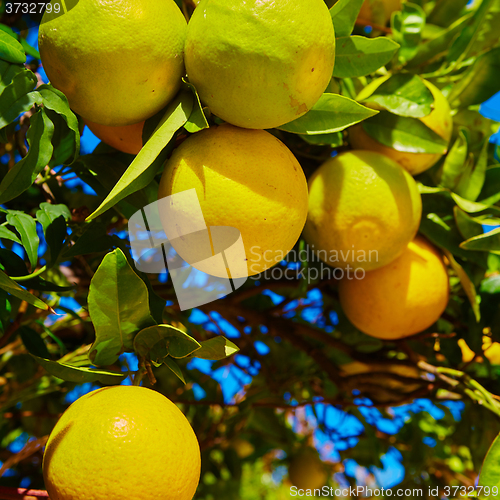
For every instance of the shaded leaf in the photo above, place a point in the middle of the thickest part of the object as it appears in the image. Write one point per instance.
(332, 113)
(94, 239)
(79, 374)
(479, 82)
(17, 97)
(490, 194)
(403, 133)
(215, 349)
(139, 174)
(173, 342)
(467, 285)
(174, 368)
(435, 48)
(118, 307)
(467, 226)
(55, 236)
(357, 56)
(33, 342)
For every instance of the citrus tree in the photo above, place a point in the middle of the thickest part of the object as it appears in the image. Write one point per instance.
(341, 148)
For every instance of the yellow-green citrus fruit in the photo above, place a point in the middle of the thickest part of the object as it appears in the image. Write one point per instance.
(260, 63)
(439, 120)
(246, 179)
(364, 209)
(378, 11)
(122, 442)
(117, 62)
(127, 138)
(307, 471)
(400, 299)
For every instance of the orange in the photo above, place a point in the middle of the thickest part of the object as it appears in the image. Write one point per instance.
(117, 61)
(363, 210)
(401, 299)
(260, 63)
(122, 442)
(246, 179)
(439, 120)
(127, 138)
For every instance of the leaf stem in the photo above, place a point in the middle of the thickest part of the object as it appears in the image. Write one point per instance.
(29, 276)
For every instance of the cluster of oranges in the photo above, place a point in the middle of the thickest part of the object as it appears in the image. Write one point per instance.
(256, 65)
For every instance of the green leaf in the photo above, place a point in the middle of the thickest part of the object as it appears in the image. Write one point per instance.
(403, 133)
(197, 120)
(174, 368)
(33, 342)
(407, 27)
(10, 49)
(79, 374)
(18, 107)
(467, 285)
(467, 226)
(332, 113)
(488, 242)
(446, 12)
(139, 174)
(26, 227)
(344, 14)
(118, 308)
(13, 288)
(55, 236)
(454, 163)
(467, 37)
(490, 194)
(215, 349)
(103, 171)
(160, 341)
(334, 140)
(447, 237)
(17, 97)
(479, 82)
(94, 239)
(48, 213)
(490, 285)
(357, 56)
(473, 177)
(490, 472)
(7, 234)
(56, 101)
(22, 175)
(402, 94)
(470, 207)
(434, 49)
